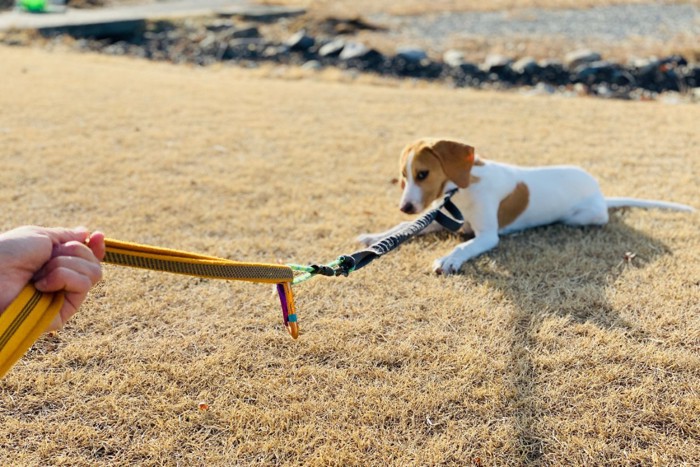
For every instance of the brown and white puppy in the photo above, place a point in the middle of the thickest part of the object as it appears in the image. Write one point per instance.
(497, 198)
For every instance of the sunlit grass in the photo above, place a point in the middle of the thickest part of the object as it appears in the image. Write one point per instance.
(551, 349)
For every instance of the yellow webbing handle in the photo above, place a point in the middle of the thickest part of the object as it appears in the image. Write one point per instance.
(23, 322)
(32, 311)
(192, 264)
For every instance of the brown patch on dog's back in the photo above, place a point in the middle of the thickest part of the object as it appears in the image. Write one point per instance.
(513, 205)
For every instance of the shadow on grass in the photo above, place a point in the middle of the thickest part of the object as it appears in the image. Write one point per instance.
(561, 271)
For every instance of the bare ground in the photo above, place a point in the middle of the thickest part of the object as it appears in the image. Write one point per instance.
(416, 7)
(396, 26)
(553, 349)
(393, 33)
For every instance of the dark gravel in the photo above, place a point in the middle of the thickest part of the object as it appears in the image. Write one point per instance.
(207, 41)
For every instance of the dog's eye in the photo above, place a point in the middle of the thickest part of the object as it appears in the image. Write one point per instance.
(422, 175)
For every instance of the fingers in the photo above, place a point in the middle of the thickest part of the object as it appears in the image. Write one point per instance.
(60, 319)
(75, 249)
(62, 235)
(96, 242)
(75, 277)
(74, 269)
(65, 255)
(68, 273)
(58, 259)
(69, 308)
(84, 245)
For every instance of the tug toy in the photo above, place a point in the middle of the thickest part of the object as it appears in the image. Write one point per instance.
(34, 6)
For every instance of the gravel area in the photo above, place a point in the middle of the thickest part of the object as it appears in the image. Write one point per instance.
(500, 57)
(611, 23)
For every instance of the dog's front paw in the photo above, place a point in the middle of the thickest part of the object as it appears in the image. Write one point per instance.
(368, 239)
(447, 265)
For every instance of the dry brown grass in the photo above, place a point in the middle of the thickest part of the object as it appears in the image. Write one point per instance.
(549, 350)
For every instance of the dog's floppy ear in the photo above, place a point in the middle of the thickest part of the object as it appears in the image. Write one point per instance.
(456, 159)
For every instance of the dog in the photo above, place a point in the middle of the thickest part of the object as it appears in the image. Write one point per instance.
(497, 198)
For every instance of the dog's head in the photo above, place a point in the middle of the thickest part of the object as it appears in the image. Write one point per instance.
(429, 167)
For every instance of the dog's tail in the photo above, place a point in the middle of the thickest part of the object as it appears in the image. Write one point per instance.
(646, 203)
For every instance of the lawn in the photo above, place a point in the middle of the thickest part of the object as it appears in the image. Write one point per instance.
(557, 348)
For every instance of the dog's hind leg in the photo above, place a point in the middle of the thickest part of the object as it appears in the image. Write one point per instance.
(592, 211)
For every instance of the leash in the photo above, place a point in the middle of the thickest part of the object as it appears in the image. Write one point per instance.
(32, 311)
(345, 264)
(23, 322)
(210, 267)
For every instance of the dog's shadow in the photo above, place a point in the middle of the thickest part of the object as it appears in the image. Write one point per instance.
(559, 271)
(565, 270)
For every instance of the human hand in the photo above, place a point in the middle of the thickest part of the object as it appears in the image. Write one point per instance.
(56, 260)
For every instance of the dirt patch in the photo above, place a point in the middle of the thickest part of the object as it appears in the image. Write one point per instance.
(105, 3)
(90, 3)
(399, 19)
(420, 7)
(334, 26)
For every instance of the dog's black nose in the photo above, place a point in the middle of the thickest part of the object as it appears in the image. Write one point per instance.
(408, 208)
